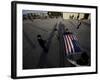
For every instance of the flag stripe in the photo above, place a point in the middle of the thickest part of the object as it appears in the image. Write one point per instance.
(66, 49)
(67, 44)
(72, 47)
(71, 44)
(71, 36)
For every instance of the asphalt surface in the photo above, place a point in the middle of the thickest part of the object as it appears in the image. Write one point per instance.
(33, 55)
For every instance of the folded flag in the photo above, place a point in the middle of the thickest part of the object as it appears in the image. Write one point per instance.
(71, 44)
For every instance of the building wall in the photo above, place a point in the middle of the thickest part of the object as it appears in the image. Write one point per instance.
(67, 15)
(81, 15)
(89, 17)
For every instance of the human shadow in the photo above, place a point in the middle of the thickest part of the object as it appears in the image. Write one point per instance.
(45, 45)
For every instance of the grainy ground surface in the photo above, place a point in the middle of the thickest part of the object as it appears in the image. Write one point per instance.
(34, 56)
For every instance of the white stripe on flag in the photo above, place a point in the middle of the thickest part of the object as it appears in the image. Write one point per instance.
(66, 49)
(71, 36)
(69, 46)
(72, 47)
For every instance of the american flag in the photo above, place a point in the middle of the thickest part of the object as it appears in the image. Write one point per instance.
(71, 44)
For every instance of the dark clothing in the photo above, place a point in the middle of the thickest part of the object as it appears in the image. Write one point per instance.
(83, 59)
(65, 33)
(42, 44)
(78, 25)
